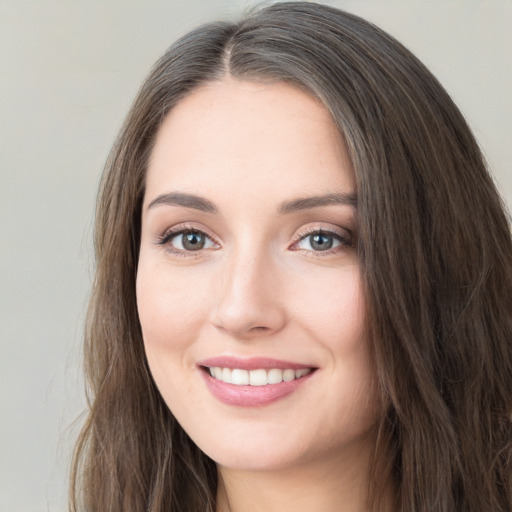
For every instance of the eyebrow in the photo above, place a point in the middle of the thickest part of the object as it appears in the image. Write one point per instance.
(186, 200)
(306, 203)
(302, 203)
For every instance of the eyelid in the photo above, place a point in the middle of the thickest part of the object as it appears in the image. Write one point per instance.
(165, 238)
(343, 235)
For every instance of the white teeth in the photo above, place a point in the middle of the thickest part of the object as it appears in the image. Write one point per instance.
(239, 377)
(275, 376)
(226, 375)
(288, 375)
(256, 377)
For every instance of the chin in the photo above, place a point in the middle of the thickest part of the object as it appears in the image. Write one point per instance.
(277, 449)
(253, 458)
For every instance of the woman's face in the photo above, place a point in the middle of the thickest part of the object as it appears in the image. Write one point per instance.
(249, 271)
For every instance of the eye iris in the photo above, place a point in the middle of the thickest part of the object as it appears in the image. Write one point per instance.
(321, 242)
(193, 241)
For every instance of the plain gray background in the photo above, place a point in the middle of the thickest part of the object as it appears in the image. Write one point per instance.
(68, 73)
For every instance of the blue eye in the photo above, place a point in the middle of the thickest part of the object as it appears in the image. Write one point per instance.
(320, 241)
(187, 241)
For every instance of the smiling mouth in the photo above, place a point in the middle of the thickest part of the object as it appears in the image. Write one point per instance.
(258, 377)
(255, 381)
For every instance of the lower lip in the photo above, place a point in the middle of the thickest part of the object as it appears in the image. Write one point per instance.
(252, 396)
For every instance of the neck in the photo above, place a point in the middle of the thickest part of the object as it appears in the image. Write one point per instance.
(323, 486)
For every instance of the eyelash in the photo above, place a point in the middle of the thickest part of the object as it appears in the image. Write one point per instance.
(166, 239)
(344, 241)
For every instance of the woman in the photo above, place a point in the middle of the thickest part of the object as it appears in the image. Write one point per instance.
(302, 298)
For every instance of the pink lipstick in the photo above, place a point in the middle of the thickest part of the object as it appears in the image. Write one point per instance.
(253, 382)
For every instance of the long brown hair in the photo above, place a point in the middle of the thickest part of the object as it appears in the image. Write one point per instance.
(435, 254)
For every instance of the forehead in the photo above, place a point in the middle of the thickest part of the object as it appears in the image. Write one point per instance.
(249, 137)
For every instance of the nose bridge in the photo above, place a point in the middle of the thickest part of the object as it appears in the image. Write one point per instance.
(248, 301)
(251, 263)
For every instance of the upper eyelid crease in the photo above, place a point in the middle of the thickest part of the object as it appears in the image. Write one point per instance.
(182, 229)
(326, 232)
(303, 203)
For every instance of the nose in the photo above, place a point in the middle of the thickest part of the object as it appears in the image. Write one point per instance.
(250, 298)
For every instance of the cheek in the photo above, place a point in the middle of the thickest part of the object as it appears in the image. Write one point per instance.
(333, 312)
(171, 316)
(172, 307)
(332, 308)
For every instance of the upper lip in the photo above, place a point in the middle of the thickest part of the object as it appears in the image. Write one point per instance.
(252, 363)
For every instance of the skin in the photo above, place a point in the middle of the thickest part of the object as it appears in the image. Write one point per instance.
(259, 287)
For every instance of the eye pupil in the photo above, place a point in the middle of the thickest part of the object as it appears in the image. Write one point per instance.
(321, 242)
(193, 241)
